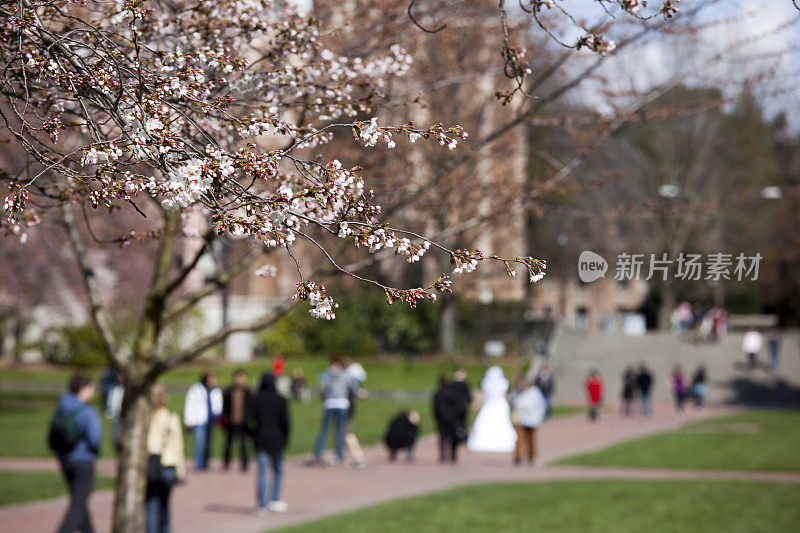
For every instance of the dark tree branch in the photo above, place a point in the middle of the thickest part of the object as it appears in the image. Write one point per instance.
(97, 312)
(418, 25)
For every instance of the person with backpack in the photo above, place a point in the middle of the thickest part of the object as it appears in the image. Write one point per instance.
(75, 435)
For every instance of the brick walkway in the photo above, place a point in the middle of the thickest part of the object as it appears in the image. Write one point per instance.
(216, 501)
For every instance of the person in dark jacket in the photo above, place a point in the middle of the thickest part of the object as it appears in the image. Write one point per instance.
(546, 383)
(234, 410)
(77, 463)
(449, 409)
(645, 382)
(402, 433)
(268, 417)
(628, 387)
(462, 389)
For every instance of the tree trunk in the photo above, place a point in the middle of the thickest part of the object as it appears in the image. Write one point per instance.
(132, 461)
(447, 324)
(665, 306)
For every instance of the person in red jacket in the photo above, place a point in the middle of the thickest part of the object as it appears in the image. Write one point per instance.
(594, 393)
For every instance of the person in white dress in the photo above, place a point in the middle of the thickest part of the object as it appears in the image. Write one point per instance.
(751, 345)
(493, 431)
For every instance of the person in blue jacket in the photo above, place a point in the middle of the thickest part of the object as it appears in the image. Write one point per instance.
(77, 462)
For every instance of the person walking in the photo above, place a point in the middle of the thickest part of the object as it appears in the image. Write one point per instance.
(234, 411)
(699, 386)
(166, 465)
(75, 435)
(546, 383)
(528, 410)
(337, 385)
(644, 382)
(268, 419)
(203, 406)
(679, 388)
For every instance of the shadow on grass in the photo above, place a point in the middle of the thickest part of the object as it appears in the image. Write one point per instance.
(776, 392)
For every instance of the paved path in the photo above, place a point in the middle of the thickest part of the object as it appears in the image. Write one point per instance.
(216, 501)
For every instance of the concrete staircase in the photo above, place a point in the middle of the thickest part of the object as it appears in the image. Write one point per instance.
(575, 353)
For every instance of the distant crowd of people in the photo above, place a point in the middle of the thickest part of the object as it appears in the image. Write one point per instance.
(637, 386)
(699, 324)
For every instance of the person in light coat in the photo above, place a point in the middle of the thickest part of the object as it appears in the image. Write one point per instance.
(529, 408)
(164, 439)
(203, 406)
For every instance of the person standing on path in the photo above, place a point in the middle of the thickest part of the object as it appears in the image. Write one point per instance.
(774, 344)
(449, 411)
(528, 409)
(203, 406)
(268, 419)
(337, 385)
(699, 386)
(628, 387)
(164, 440)
(546, 384)
(751, 345)
(644, 381)
(75, 435)
(234, 411)
(462, 391)
(358, 458)
(679, 388)
(594, 394)
(493, 431)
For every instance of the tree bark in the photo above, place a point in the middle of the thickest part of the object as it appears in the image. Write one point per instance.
(665, 306)
(447, 324)
(132, 461)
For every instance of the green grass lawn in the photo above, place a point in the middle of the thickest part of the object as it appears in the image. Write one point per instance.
(582, 506)
(18, 487)
(754, 440)
(395, 373)
(25, 416)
